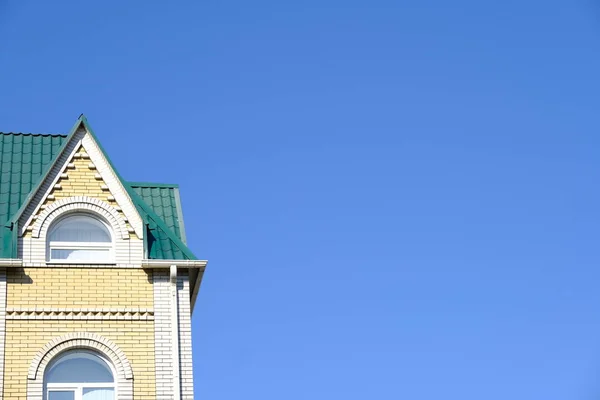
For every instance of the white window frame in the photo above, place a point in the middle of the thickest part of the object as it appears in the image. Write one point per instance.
(77, 388)
(60, 245)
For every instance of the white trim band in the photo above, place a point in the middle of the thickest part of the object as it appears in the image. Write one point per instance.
(17, 262)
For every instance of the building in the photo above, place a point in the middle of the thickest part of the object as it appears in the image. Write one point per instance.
(97, 285)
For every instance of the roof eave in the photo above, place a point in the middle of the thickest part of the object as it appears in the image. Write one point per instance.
(153, 263)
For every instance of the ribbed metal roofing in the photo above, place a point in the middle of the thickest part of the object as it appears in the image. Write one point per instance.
(164, 200)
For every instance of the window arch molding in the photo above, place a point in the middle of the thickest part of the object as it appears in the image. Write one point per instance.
(82, 204)
(80, 341)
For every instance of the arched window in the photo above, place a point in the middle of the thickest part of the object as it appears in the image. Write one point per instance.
(79, 238)
(79, 375)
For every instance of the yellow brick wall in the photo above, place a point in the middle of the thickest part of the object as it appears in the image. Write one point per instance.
(79, 288)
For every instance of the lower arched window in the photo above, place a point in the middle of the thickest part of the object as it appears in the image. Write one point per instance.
(79, 375)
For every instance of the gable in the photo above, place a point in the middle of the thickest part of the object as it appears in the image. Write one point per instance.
(80, 170)
(32, 177)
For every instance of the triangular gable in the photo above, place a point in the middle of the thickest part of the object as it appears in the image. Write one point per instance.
(81, 153)
(167, 244)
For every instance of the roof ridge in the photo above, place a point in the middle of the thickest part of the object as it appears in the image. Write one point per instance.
(33, 134)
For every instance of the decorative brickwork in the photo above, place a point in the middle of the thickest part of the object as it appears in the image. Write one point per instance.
(44, 303)
(79, 178)
(82, 170)
(105, 314)
(80, 340)
(80, 203)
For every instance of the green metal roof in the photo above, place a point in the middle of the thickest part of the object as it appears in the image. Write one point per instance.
(165, 202)
(25, 159)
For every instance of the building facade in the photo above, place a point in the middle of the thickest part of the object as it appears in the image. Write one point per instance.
(97, 285)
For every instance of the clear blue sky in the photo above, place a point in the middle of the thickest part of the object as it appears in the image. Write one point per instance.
(398, 199)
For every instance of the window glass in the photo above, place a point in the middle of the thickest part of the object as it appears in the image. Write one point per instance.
(79, 367)
(98, 394)
(61, 395)
(79, 228)
(82, 255)
(80, 237)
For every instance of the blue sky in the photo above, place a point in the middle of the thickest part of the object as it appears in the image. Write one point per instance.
(398, 199)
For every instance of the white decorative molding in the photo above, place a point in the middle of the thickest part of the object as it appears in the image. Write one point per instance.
(81, 340)
(80, 203)
(131, 314)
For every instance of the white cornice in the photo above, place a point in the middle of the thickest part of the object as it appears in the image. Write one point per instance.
(200, 264)
(179, 263)
(11, 262)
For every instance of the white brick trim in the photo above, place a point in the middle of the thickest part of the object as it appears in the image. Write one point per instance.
(165, 357)
(185, 336)
(2, 327)
(80, 203)
(163, 349)
(81, 340)
(175, 333)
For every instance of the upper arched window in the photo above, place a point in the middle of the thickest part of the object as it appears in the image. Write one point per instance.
(79, 237)
(79, 375)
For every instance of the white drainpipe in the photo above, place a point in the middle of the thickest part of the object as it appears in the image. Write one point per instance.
(175, 333)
